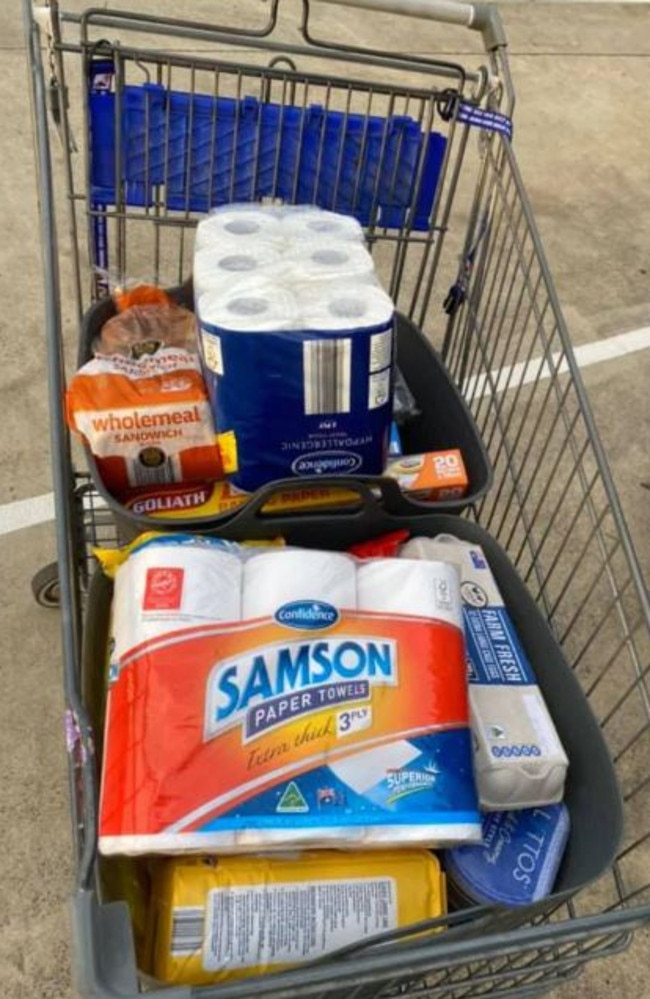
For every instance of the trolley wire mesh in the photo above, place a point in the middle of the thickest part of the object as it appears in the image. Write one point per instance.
(552, 508)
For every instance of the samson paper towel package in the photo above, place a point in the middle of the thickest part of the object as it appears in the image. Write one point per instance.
(297, 342)
(213, 919)
(299, 698)
(519, 760)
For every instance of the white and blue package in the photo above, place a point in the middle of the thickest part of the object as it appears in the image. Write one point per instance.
(395, 442)
(518, 861)
(299, 367)
(519, 760)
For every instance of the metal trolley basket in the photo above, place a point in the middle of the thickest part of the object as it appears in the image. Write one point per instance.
(178, 116)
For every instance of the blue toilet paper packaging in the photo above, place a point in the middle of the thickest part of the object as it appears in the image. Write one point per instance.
(298, 356)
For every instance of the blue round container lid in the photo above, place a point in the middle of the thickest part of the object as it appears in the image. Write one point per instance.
(518, 860)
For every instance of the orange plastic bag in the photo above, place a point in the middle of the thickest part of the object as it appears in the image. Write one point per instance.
(141, 294)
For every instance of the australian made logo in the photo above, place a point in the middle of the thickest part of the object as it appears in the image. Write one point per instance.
(266, 687)
(404, 782)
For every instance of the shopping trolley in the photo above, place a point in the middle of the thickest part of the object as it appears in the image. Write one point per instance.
(142, 124)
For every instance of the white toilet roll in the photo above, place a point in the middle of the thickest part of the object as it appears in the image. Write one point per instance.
(315, 260)
(222, 266)
(240, 223)
(334, 305)
(272, 579)
(166, 587)
(407, 586)
(254, 305)
(308, 222)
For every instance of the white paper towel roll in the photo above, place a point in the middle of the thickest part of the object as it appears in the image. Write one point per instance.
(166, 587)
(315, 260)
(223, 266)
(272, 579)
(333, 305)
(308, 222)
(240, 223)
(254, 305)
(408, 586)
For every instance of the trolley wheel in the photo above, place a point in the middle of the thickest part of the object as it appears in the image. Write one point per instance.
(45, 586)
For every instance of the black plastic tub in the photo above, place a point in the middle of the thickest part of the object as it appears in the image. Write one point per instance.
(444, 422)
(105, 953)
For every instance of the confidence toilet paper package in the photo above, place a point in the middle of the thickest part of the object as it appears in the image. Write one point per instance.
(519, 760)
(266, 698)
(297, 343)
(232, 917)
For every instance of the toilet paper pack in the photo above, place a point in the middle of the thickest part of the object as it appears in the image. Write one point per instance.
(293, 323)
(321, 363)
(519, 759)
(332, 712)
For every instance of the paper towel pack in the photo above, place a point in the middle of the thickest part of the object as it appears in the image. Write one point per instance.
(315, 701)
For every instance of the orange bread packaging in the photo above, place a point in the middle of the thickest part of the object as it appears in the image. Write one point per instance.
(146, 418)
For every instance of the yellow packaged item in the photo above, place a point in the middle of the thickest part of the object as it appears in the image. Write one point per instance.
(433, 476)
(213, 919)
(212, 499)
(110, 559)
(126, 879)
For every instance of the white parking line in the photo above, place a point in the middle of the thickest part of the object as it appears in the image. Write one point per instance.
(39, 509)
(586, 354)
(26, 513)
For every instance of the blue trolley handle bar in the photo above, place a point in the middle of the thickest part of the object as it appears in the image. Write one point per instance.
(481, 17)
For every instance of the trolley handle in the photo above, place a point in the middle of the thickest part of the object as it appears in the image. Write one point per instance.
(376, 498)
(481, 17)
